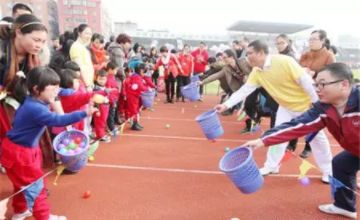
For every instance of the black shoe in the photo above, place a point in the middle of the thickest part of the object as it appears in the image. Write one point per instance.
(291, 148)
(305, 154)
(136, 127)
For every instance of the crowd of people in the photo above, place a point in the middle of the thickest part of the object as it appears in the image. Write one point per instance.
(95, 86)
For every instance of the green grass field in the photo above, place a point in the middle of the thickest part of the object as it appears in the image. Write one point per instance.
(356, 74)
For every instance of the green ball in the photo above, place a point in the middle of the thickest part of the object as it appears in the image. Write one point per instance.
(227, 149)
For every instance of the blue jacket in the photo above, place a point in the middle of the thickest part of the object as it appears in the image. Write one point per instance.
(345, 128)
(31, 119)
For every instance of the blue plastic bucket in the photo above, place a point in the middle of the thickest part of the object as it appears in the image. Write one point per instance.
(147, 98)
(191, 92)
(195, 78)
(73, 161)
(240, 166)
(210, 124)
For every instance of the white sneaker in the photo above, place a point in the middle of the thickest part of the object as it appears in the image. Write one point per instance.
(325, 178)
(21, 216)
(333, 210)
(266, 171)
(57, 217)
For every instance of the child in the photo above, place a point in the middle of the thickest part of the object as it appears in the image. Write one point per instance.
(112, 85)
(133, 88)
(21, 155)
(100, 117)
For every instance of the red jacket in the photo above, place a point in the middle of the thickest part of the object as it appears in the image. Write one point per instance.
(200, 60)
(148, 82)
(172, 66)
(345, 129)
(135, 85)
(186, 62)
(112, 84)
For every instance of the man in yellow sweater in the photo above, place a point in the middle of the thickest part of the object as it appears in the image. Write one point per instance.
(288, 84)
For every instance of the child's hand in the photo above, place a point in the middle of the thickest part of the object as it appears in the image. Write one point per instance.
(106, 100)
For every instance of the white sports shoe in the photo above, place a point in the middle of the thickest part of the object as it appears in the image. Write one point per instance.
(325, 178)
(333, 210)
(57, 217)
(21, 216)
(266, 171)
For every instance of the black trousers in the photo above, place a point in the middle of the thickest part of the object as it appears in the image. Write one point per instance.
(345, 166)
(170, 87)
(111, 118)
(181, 81)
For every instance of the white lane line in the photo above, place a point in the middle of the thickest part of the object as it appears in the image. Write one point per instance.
(186, 119)
(198, 139)
(176, 170)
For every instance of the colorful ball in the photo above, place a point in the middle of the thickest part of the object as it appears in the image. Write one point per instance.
(78, 140)
(227, 149)
(305, 181)
(62, 151)
(66, 141)
(82, 144)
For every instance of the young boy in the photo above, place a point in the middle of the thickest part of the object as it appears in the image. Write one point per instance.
(113, 86)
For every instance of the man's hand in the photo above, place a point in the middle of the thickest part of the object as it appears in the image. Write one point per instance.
(221, 108)
(255, 144)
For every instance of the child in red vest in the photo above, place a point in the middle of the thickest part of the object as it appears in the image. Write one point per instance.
(100, 118)
(114, 89)
(133, 88)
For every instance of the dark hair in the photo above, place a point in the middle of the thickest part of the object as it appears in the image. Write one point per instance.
(236, 42)
(333, 48)
(322, 34)
(123, 38)
(139, 66)
(284, 36)
(21, 6)
(8, 19)
(97, 36)
(230, 53)
(79, 30)
(218, 54)
(259, 45)
(339, 71)
(112, 38)
(203, 43)
(211, 60)
(101, 73)
(67, 77)
(41, 77)
(72, 65)
(173, 51)
(136, 47)
(111, 65)
(245, 39)
(163, 49)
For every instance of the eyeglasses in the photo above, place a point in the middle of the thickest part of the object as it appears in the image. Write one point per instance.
(321, 85)
(314, 39)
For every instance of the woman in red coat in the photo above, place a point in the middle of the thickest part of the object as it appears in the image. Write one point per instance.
(171, 70)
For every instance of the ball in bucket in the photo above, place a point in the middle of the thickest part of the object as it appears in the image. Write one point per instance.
(239, 165)
(72, 155)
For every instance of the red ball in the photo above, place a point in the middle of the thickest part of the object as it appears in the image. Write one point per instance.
(86, 194)
(78, 140)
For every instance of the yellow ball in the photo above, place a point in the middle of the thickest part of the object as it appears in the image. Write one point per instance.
(91, 158)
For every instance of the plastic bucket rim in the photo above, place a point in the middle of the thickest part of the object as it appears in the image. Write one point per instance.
(78, 153)
(205, 115)
(221, 167)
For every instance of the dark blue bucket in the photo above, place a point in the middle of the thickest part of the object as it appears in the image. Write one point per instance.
(210, 124)
(73, 161)
(147, 98)
(191, 92)
(195, 78)
(240, 166)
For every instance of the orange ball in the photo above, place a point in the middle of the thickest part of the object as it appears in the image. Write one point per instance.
(86, 194)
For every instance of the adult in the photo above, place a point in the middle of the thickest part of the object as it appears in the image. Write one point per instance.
(80, 54)
(20, 9)
(119, 50)
(200, 61)
(294, 94)
(315, 59)
(338, 109)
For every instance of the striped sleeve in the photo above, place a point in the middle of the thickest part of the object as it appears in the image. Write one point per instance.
(306, 123)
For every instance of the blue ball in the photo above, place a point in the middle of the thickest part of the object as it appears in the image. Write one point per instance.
(305, 181)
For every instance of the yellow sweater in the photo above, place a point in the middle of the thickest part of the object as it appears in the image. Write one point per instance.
(280, 77)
